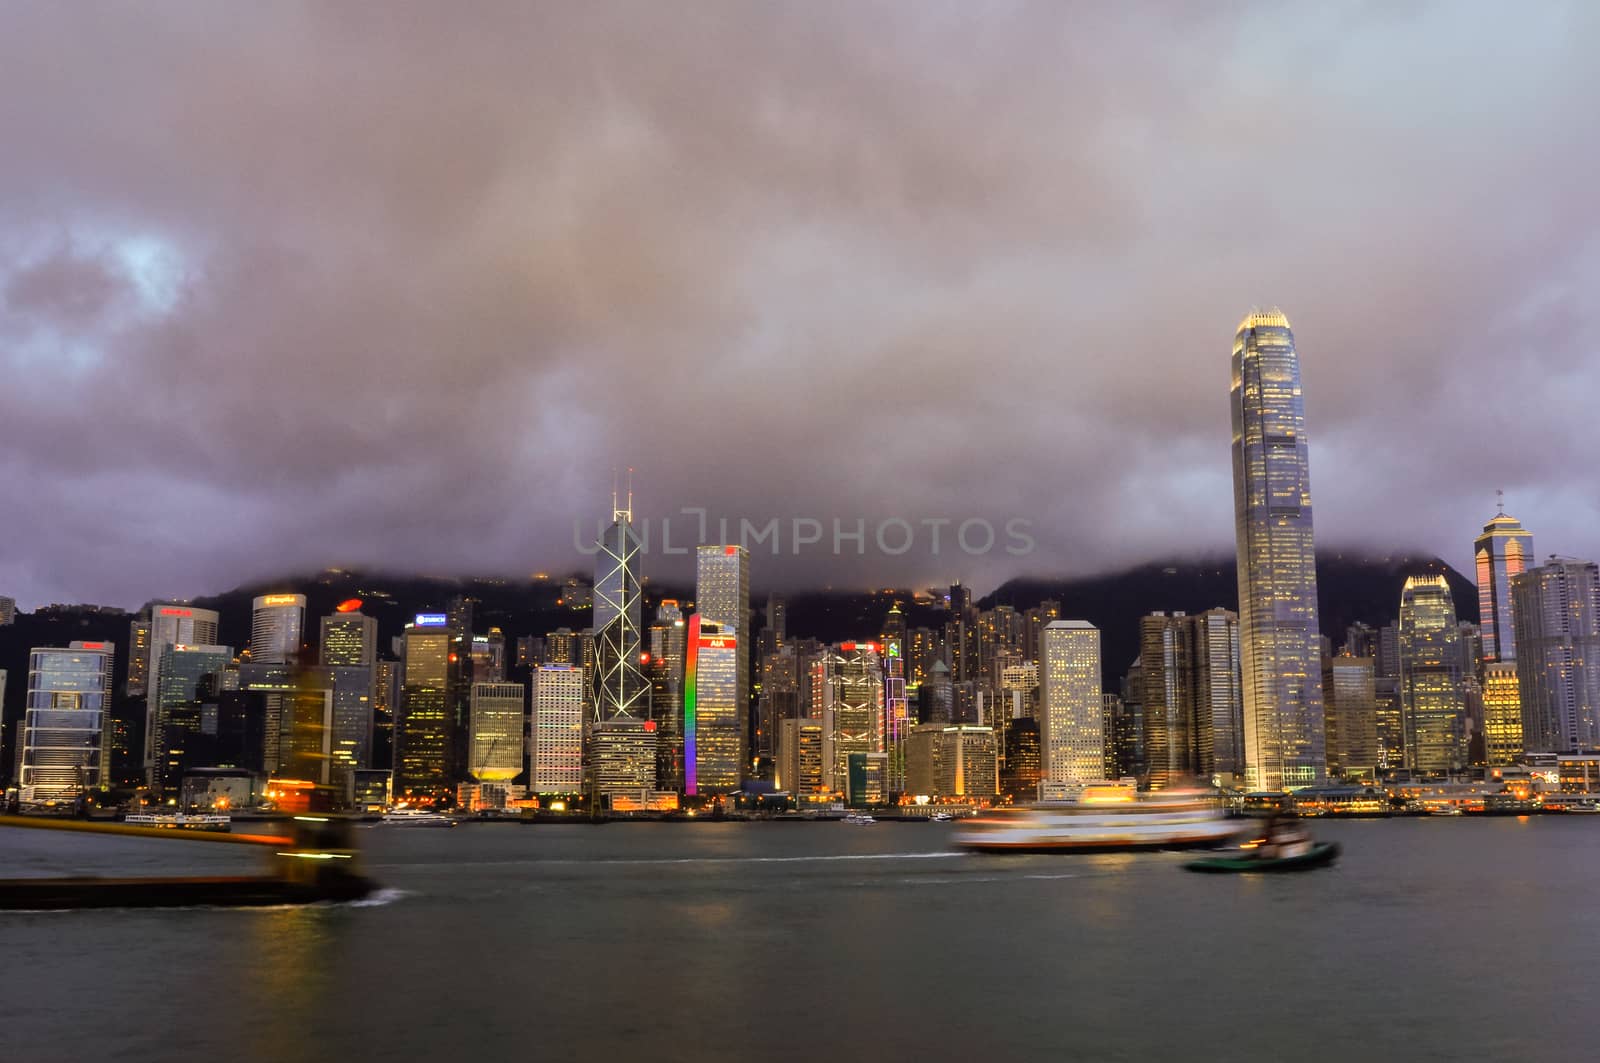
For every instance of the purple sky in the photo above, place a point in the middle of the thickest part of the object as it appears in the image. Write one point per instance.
(285, 285)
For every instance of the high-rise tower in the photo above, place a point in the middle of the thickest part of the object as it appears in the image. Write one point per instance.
(722, 595)
(622, 751)
(1431, 704)
(1280, 653)
(1504, 550)
(1558, 654)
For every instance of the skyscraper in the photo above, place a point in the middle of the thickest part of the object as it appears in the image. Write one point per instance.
(1071, 711)
(722, 594)
(1431, 704)
(349, 638)
(1349, 688)
(422, 728)
(138, 656)
(1166, 647)
(186, 671)
(66, 722)
(1219, 701)
(851, 707)
(171, 624)
(1281, 658)
(557, 760)
(495, 743)
(713, 731)
(277, 623)
(622, 693)
(1556, 609)
(622, 739)
(1504, 550)
(8, 610)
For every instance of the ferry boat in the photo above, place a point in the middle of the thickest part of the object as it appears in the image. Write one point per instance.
(417, 817)
(179, 821)
(857, 817)
(1104, 817)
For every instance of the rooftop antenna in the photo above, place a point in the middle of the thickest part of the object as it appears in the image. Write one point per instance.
(630, 493)
(613, 492)
(1500, 502)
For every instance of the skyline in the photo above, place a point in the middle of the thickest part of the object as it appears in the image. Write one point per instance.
(412, 319)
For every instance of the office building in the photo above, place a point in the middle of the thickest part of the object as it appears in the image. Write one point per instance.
(1502, 552)
(850, 706)
(496, 731)
(171, 624)
(1432, 707)
(722, 594)
(65, 729)
(349, 639)
(8, 610)
(956, 760)
(1502, 714)
(1166, 648)
(1279, 646)
(188, 675)
(1349, 688)
(800, 766)
(277, 624)
(556, 763)
(713, 731)
(423, 727)
(139, 634)
(1071, 712)
(1556, 615)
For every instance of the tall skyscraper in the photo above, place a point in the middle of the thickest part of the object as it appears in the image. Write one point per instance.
(66, 724)
(423, 732)
(851, 708)
(1504, 550)
(171, 624)
(622, 740)
(1431, 702)
(722, 594)
(1071, 712)
(496, 731)
(1219, 700)
(713, 731)
(8, 610)
(557, 760)
(622, 693)
(1556, 609)
(277, 624)
(186, 673)
(668, 653)
(1502, 714)
(1166, 647)
(1281, 656)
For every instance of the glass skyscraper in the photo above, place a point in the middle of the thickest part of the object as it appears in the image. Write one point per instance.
(66, 724)
(1072, 736)
(1558, 654)
(713, 732)
(1281, 657)
(1432, 706)
(1504, 550)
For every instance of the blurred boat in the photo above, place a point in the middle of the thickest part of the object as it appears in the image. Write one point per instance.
(417, 817)
(1318, 854)
(856, 817)
(179, 821)
(1104, 817)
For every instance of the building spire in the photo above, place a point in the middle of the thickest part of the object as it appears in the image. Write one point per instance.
(1500, 502)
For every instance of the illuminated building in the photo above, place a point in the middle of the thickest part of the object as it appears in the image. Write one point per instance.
(778, 617)
(1350, 690)
(722, 594)
(1280, 655)
(713, 731)
(1071, 712)
(1503, 551)
(138, 656)
(936, 696)
(352, 716)
(896, 712)
(1125, 731)
(668, 639)
(866, 780)
(348, 639)
(1432, 710)
(561, 647)
(1502, 714)
(171, 624)
(799, 761)
(1556, 610)
(277, 622)
(1219, 698)
(1166, 648)
(495, 744)
(621, 690)
(65, 730)
(187, 673)
(958, 760)
(385, 703)
(851, 707)
(622, 761)
(557, 760)
(422, 738)
(8, 610)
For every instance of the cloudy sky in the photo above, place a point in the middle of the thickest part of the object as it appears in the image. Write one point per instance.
(288, 285)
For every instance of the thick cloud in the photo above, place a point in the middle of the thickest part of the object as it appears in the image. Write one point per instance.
(399, 284)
